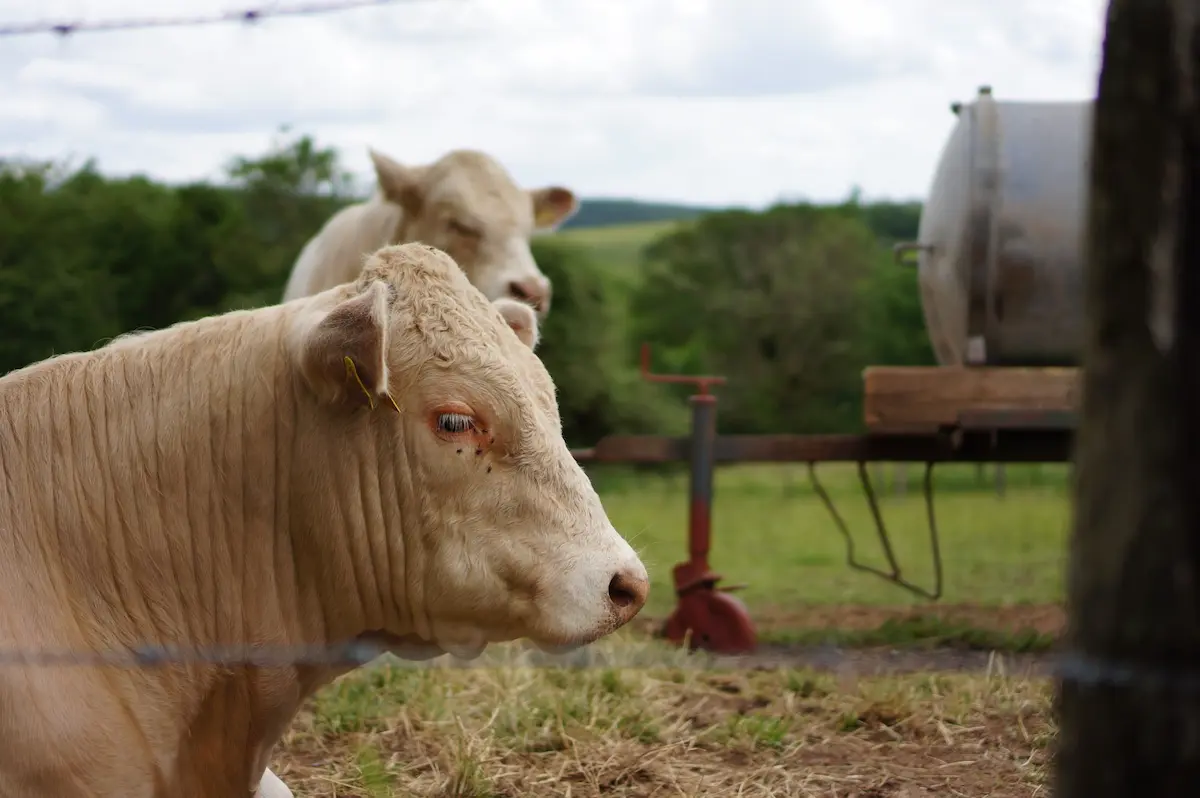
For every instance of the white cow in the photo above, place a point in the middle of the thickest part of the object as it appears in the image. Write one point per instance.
(383, 460)
(465, 204)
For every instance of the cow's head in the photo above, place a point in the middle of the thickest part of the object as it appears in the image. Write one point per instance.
(445, 439)
(467, 205)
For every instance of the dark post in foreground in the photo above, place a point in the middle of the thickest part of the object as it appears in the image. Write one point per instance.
(1129, 694)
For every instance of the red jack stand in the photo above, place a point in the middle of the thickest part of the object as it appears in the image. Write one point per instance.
(716, 621)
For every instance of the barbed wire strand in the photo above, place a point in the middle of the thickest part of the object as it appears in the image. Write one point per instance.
(247, 16)
(1067, 666)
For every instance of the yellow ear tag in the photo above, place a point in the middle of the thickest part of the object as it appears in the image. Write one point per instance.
(353, 372)
(546, 217)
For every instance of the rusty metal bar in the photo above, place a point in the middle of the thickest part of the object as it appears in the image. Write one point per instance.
(1051, 444)
(705, 615)
(704, 436)
(701, 381)
(1026, 420)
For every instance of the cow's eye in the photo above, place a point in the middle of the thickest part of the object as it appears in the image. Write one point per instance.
(464, 230)
(455, 423)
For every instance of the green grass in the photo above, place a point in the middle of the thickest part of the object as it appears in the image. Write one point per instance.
(616, 249)
(917, 632)
(771, 532)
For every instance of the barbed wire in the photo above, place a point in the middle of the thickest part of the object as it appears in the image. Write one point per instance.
(146, 656)
(351, 653)
(247, 16)
(1067, 666)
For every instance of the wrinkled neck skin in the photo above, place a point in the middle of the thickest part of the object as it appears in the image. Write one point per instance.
(350, 501)
(209, 519)
(345, 496)
(339, 578)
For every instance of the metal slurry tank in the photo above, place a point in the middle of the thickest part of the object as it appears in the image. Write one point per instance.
(1000, 239)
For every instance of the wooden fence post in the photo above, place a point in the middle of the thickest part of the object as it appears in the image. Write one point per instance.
(1129, 710)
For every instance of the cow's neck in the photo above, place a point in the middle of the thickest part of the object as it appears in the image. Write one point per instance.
(403, 232)
(345, 518)
(309, 573)
(166, 522)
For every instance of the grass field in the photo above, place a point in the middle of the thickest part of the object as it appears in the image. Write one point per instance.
(771, 532)
(509, 729)
(617, 248)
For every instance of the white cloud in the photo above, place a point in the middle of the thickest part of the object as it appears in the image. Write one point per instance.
(711, 101)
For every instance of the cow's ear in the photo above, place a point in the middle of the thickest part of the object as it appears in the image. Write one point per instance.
(521, 318)
(342, 353)
(400, 184)
(552, 206)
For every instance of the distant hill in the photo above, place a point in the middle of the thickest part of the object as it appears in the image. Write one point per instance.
(606, 212)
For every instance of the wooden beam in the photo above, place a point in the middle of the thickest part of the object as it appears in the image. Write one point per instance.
(924, 399)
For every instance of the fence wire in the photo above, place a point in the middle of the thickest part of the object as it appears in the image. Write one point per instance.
(1064, 666)
(248, 16)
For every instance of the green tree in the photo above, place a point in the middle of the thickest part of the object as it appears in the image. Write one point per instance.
(287, 194)
(896, 334)
(790, 303)
(53, 297)
(775, 301)
(584, 348)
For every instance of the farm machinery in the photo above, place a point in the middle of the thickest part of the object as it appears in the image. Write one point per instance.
(1000, 267)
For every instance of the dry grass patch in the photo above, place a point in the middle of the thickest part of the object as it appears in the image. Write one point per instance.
(512, 729)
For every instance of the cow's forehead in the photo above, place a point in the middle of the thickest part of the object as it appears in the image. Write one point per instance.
(475, 183)
(494, 356)
(455, 321)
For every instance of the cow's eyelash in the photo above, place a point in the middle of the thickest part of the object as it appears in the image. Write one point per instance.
(463, 229)
(455, 423)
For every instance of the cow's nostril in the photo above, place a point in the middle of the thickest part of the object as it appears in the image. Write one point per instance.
(530, 293)
(625, 591)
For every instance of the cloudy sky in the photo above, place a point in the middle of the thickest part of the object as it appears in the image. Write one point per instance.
(706, 101)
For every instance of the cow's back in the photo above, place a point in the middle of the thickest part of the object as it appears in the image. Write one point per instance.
(336, 253)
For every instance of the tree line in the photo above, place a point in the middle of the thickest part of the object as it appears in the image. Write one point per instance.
(789, 303)
(605, 212)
